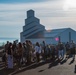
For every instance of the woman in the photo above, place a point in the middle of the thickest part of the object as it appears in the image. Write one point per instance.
(10, 56)
(19, 54)
(38, 51)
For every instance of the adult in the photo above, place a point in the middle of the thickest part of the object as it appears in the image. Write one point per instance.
(60, 51)
(10, 56)
(14, 48)
(19, 54)
(67, 46)
(28, 54)
(72, 47)
(38, 51)
(44, 50)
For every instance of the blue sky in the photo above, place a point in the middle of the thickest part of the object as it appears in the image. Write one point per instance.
(20, 1)
(53, 14)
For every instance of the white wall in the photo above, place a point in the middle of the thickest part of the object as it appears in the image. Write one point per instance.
(65, 35)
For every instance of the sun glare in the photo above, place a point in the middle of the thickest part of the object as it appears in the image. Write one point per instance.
(69, 4)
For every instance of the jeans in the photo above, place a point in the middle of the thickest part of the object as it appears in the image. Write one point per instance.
(61, 53)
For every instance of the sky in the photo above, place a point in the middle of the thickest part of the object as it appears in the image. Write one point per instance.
(53, 14)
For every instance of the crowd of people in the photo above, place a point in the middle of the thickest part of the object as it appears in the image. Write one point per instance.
(28, 53)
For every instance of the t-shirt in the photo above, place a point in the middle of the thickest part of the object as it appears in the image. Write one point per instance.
(37, 49)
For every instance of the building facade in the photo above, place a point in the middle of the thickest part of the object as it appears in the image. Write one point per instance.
(36, 32)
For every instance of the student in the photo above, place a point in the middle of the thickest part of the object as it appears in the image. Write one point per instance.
(60, 51)
(10, 56)
(19, 54)
(72, 47)
(38, 51)
(67, 46)
(44, 50)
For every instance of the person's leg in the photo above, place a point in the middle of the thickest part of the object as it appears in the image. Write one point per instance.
(58, 54)
(62, 51)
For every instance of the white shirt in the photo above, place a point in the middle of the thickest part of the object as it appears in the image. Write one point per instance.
(37, 49)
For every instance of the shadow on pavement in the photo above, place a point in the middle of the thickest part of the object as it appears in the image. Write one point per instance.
(54, 63)
(41, 70)
(6, 71)
(63, 61)
(72, 61)
(32, 66)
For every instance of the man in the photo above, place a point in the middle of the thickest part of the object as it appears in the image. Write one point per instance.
(67, 46)
(72, 47)
(60, 51)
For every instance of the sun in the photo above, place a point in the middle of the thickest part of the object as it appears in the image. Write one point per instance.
(69, 4)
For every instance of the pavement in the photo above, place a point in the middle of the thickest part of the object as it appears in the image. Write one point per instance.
(55, 68)
(63, 67)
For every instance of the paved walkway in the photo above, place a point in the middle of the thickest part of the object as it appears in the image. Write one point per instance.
(56, 68)
(46, 68)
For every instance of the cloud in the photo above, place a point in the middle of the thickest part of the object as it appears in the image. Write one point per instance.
(50, 13)
(22, 6)
(13, 13)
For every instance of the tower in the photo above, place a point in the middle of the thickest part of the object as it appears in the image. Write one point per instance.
(32, 28)
(30, 13)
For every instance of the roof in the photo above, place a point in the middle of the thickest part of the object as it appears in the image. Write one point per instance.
(54, 32)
